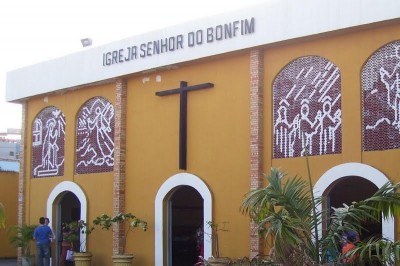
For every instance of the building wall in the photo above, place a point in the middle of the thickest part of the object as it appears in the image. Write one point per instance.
(9, 198)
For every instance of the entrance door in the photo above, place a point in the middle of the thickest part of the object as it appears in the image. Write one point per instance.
(185, 224)
(350, 189)
(68, 210)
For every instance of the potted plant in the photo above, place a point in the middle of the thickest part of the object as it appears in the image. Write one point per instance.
(217, 259)
(129, 222)
(22, 237)
(79, 233)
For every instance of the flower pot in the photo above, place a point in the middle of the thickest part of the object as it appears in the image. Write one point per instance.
(28, 260)
(83, 258)
(219, 261)
(122, 260)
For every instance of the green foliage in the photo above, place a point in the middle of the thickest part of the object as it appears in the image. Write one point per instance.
(286, 210)
(128, 220)
(22, 237)
(2, 217)
(76, 228)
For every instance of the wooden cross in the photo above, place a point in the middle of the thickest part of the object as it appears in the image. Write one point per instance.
(182, 90)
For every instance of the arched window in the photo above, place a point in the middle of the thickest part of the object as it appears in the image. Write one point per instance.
(95, 137)
(307, 108)
(380, 79)
(48, 138)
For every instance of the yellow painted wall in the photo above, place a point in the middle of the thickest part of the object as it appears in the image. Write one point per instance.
(218, 144)
(9, 198)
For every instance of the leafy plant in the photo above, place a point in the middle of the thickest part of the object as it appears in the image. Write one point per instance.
(286, 211)
(128, 220)
(22, 237)
(2, 216)
(76, 228)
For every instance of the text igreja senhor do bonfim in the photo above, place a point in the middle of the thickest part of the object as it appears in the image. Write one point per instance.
(181, 41)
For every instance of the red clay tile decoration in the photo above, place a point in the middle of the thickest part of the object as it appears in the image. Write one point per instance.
(380, 79)
(95, 137)
(48, 138)
(307, 108)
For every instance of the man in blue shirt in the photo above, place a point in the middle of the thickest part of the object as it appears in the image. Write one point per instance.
(42, 235)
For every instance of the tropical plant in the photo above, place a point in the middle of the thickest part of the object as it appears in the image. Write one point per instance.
(22, 237)
(76, 229)
(286, 210)
(128, 220)
(2, 217)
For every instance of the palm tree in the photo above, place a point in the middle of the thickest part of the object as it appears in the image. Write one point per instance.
(2, 216)
(286, 211)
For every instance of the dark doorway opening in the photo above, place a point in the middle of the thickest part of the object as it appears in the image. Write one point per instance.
(352, 189)
(186, 208)
(68, 210)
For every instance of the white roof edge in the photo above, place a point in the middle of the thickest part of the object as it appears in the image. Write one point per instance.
(261, 24)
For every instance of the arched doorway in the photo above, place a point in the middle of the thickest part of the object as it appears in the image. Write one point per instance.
(68, 210)
(168, 205)
(363, 171)
(353, 189)
(66, 202)
(186, 220)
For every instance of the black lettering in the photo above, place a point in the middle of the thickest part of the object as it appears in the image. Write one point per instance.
(171, 42)
(114, 57)
(191, 39)
(235, 27)
(127, 58)
(108, 58)
(199, 37)
(121, 55)
(133, 52)
(228, 30)
(179, 41)
(249, 27)
(218, 33)
(210, 37)
(164, 45)
(148, 53)
(156, 47)
(143, 50)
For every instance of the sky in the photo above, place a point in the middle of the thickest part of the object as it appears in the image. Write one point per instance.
(40, 30)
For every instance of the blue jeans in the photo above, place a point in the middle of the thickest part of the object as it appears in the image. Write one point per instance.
(43, 251)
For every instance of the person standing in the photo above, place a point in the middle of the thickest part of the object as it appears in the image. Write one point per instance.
(42, 235)
(47, 222)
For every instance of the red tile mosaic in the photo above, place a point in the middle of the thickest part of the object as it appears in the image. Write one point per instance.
(48, 140)
(307, 108)
(95, 137)
(380, 81)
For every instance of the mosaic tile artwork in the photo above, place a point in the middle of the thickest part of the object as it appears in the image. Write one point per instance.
(307, 108)
(48, 138)
(95, 137)
(380, 79)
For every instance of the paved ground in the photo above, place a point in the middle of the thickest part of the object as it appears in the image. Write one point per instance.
(8, 262)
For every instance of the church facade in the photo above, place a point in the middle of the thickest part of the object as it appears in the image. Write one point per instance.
(176, 126)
